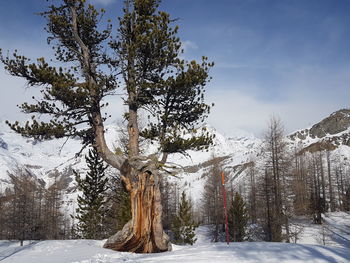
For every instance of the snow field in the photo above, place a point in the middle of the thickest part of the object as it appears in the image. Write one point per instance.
(91, 251)
(87, 251)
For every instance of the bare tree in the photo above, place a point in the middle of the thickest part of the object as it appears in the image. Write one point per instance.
(252, 198)
(212, 200)
(276, 171)
(330, 181)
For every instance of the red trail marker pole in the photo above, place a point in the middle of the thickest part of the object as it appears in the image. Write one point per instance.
(225, 207)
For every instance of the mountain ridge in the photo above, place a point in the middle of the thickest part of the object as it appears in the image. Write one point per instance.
(328, 134)
(234, 153)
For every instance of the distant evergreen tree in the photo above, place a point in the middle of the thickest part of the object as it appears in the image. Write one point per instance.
(184, 226)
(118, 206)
(91, 203)
(123, 212)
(238, 218)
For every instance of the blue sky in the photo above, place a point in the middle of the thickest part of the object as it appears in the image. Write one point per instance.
(289, 58)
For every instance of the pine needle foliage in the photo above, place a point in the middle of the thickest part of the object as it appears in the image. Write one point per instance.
(67, 95)
(118, 206)
(168, 88)
(91, 204)
(144, 58)
(184, 227)
(238, 218)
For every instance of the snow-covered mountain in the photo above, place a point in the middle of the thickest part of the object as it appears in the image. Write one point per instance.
(332, 133)
(233, 153)
(43, 158)
(335, 125)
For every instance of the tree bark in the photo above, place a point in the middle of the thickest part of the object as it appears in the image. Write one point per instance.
(144, 232)
(89, 72)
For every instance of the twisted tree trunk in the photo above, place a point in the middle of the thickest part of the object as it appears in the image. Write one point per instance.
(144, 232)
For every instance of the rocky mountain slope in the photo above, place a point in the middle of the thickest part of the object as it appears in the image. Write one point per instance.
(328, 134)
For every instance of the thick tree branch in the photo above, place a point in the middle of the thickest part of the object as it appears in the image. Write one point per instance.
(100, 142)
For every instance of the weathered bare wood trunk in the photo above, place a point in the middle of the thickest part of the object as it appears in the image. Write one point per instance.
(144, 232)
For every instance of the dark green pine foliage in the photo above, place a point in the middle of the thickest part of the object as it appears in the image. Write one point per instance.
(69, 96)
(123, 212)
(118, 206)
(158, 81)
(184, 227)
(146, 61)
(91, 204)
(237, 219)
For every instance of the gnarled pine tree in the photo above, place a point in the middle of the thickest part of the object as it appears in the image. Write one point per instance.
(156, 81)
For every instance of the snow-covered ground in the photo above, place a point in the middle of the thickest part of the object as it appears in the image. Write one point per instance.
(334, 232)
(86, 251)
(91, 251)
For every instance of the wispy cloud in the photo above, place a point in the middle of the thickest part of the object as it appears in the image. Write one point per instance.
(236, 110)
(103, 2)
(308, 93)
(289, 59)
(187, 45)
